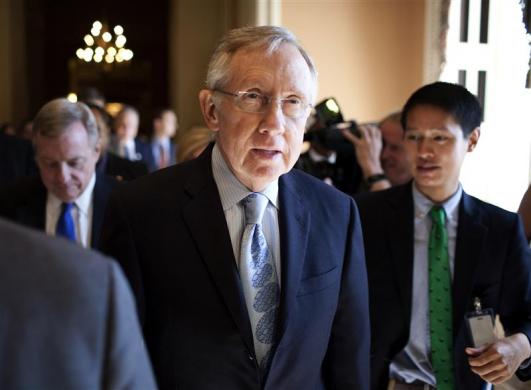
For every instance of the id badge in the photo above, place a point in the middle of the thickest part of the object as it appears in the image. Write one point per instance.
(480, 324)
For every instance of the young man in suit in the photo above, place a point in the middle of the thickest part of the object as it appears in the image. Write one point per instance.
(434, 253)
(68, 198)
(68, 318)
(160, 152)
(248, 275)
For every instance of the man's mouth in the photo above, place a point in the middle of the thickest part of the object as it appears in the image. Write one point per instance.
(266, 153)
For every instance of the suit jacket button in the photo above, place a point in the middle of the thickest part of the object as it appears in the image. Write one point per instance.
(251, 357)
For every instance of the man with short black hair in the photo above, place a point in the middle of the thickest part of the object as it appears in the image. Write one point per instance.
(434, 254)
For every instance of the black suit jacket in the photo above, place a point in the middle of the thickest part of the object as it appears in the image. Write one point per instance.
(492, 262)
(16, 159)
(145, 149)
(25, 202)
(120, 168)
(169, 232)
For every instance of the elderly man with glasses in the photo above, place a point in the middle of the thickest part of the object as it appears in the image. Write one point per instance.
(247, 274)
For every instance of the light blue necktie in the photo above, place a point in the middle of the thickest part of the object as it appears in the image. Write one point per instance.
(259, 279)
(65, 224)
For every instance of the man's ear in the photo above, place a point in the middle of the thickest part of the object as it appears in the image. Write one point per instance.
(208, 108)
(473, 139)
(98, 149)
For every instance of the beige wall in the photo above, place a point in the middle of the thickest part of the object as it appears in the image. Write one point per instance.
(369, 53)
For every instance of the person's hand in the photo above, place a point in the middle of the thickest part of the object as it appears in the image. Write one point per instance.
(496, 363)
(368, 149)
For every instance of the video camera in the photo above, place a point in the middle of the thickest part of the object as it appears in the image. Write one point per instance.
(328, 126)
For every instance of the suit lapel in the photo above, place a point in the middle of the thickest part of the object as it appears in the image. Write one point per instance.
(471, 235)
(400, 236)
(102, 190)
(206, 221)
(294, 227)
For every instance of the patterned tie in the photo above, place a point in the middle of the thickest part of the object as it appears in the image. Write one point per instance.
(65, 224)
(259, 279)
(440, 293)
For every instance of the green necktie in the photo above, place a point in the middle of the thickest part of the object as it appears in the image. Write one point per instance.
(440, 293)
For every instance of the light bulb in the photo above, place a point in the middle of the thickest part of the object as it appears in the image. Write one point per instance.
(72, 97)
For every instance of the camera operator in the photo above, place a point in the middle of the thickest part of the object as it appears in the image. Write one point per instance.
(380, 153)
(330, 156)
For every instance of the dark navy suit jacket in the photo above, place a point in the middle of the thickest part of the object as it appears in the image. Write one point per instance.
(25, 202)
(492, 262)
(169, 232)
(146, 151)
(16, 159)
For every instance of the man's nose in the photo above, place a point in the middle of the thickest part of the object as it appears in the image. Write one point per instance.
(424, 148)
(273, 121)
(63, 173)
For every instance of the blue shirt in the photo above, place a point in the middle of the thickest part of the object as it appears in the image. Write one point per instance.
(232, 192)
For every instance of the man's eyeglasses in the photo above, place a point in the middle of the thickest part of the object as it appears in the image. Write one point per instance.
(254, 102)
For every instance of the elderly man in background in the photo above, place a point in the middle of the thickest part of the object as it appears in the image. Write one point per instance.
(68, 198)
(247, 274)
(381, 153)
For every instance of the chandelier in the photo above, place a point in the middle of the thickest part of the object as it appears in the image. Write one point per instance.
(101, 45)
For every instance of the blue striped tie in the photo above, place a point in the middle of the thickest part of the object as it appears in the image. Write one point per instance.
(259, 279)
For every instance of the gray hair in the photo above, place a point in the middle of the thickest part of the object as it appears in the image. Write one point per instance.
(57, 115)
(268, 37)
(127, 108)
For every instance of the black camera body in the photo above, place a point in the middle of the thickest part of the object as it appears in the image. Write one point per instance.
(328, 127)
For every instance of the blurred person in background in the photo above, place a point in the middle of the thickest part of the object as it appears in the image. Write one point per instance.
(124, 142)
(194, 142)
(160, 151)
(109, 163)
(381, 154)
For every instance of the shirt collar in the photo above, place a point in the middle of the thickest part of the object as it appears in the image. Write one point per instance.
(231, 190)
(164, 142)
(82, 202)
(423, 205)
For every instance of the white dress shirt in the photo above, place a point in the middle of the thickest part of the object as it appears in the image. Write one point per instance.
(232, 192)
(81, 214)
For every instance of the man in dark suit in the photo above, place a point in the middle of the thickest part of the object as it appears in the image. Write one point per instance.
(247, 275)
(67, 192)
(68, 318)
(16, 159)
(434, 253)
(109, 163)
(160, 152)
